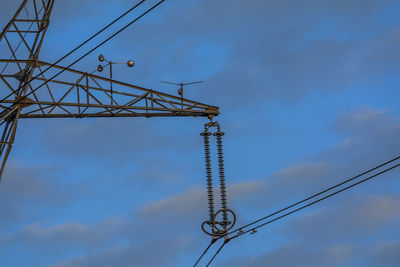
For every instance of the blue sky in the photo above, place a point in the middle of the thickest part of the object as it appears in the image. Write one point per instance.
(308, 92)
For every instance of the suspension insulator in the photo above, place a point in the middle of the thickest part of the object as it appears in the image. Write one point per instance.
(224, 204)
(210, 192)
(214, 226)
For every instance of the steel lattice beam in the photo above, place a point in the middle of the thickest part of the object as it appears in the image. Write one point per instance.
(88, 95)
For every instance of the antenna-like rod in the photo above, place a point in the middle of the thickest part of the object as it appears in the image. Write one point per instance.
(180, 91)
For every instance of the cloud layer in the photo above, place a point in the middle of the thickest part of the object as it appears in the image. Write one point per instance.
(308, 93)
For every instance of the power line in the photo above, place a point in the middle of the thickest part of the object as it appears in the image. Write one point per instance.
(316, 195)
(86, 54)
(204, 252)
(79, 46)
(218, 251)
(20, 42)
(241, 232)
(318, 200)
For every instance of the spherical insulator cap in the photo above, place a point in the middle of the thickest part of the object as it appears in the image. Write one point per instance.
(101, 58)
(100, 68)
(130, 63)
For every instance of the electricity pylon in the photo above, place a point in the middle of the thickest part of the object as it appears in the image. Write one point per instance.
(74, 94)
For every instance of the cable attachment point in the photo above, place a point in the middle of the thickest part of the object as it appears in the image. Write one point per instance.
(210, 228)
(224, 225)
(216, 228)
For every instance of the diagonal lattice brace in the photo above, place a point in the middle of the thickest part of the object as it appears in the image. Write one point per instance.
(7, 140)
(78, 94)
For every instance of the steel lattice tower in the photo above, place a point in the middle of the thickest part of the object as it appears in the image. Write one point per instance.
(74, 94)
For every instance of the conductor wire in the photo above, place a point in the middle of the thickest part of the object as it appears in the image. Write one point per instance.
(20, 42)
(85, 55)
(218, 251)
(204, 252)
(253, 229)
(318, 200)
(318, 194)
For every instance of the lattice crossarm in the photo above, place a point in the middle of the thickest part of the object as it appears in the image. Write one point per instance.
(78, 94)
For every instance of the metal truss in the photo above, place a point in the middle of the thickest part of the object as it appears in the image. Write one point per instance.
(74, 94)
(87, 95)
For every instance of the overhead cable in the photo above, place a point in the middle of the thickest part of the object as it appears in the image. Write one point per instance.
(20, 42)
(316, 201)
(79, 46)
(86, 54)
(204, 252)
(218, 251)
(316, 195)
(240, 231)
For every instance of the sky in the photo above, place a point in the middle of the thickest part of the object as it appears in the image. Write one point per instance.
(308, 94)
